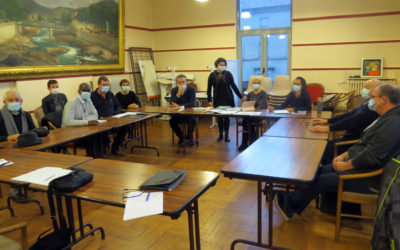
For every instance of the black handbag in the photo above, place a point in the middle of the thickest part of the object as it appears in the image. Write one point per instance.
(60, 238)
(71, 182)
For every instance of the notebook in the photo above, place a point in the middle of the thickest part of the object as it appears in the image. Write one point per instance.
(248, 106)
(166, 180)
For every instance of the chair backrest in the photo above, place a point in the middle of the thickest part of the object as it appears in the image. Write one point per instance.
(193, 85)
(341, 101)
(282, 86)
(252, 78)
(39, 114)
(267, 84)
(355, 102)
(315, 90)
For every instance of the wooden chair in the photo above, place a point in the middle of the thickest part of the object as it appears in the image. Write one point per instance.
(39, 114)
(353, 197)
(354, 102)
(10, 244)
(340, 102)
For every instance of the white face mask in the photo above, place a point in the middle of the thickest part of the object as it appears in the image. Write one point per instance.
(256, 86)
(126, 88)
(222, 68)
(55, 91)
(365, 93)
(296, 88)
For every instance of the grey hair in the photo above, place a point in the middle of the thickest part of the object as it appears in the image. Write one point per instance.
(11, 91)
(391, 91)
(375, 81)
(181, 76)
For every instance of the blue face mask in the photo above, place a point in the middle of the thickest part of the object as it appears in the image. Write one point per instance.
(105, 89)
(296, 88)
(126, 88)
(256, 86)
(85, 95)
(184, 86)
(365, 93)
(14, 106)
(371, 104)
(222, 68)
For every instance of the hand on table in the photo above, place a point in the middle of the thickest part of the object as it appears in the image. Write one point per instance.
(13, 137)
(93, 123)
(319, 121)
(319, 129)
(173, 105)
(270, 108)
(133, 106)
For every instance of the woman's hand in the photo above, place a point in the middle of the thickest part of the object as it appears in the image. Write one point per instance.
(210, 104)
(270, 108)
(133, 106)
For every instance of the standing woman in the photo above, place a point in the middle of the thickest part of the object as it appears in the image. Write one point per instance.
(222, 83)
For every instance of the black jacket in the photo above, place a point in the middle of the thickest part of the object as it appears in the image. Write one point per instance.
(18, 123)
(49, 106)
(302, 103)
(187, 99)
(108, 106)
(354, 122)
(220, 92)
(379, 143)
(128, 99)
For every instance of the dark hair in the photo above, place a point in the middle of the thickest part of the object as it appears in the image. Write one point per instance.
(84, 84)
(219, 60)
(102, 78)
(123, 81)
(303, 83)
(391, 91)
(181, 76)
(50, 82)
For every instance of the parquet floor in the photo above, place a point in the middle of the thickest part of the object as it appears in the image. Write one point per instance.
(227, 211)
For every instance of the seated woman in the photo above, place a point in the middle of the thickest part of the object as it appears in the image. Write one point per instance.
(126, 97)
(298, 99)
(257, 94)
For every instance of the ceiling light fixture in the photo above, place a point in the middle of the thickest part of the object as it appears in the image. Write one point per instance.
(201, 1)
(245, 15)
(246, 27)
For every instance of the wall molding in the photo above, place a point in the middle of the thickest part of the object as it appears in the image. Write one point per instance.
(192, 49)
(346, 16)
(182, 27)
(316, 69)
(344, 43)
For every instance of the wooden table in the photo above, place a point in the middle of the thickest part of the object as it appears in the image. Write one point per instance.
(295, 128)
(111, 177)
(57, 137)
(265, 113)
(275, 160)
(27, 161)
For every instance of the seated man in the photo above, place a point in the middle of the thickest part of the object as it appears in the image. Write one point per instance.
(354, 122)
(107, 105)
(380, 141)
(80, 110)
(53, 105)
(182, 95)
(13, 119)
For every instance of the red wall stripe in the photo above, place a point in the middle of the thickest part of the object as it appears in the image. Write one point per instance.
(188, 70)
(344, 43)
(310, 69)
(346, 16)
(194, 49)
(182, 27)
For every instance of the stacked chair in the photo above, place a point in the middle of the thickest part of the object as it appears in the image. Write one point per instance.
(280, 90)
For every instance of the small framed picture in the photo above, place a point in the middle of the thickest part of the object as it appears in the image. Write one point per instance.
(371, 67)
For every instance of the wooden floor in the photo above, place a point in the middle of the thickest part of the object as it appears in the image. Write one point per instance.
(227, 211)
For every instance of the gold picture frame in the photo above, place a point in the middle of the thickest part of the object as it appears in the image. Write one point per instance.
(90, 56)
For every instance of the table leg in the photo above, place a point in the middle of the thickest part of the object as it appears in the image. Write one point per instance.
(190, 221)
(197, 223)
(143, 138)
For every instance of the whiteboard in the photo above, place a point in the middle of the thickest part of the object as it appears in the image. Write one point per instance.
(149, 76)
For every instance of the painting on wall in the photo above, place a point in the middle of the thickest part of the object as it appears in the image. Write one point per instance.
(371, 67)
(56, 37)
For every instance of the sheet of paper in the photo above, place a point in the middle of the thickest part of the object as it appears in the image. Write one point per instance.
(42, 176)
(102, 121)
(300, 113)
(282, 111)
(125, 114)
(142, 204)
(4, 162)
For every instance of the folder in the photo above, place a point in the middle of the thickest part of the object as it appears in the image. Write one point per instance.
(166, 180)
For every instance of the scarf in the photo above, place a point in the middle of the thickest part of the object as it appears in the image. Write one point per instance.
(11, 127)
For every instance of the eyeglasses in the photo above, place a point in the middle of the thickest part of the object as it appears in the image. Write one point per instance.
(373, 96)
(125, 192)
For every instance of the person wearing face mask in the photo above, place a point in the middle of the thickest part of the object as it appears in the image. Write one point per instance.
(261, 102)
(379, 143)
(182, 95)
(80, 111)
(126, 97)
(354, 122)
(222, 83)
(13, 119)
(53, 105)
(106, 105)
(298, 99)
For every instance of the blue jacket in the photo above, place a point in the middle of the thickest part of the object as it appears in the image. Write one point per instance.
(302, 103)
(187, 99)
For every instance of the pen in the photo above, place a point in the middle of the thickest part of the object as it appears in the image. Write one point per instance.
(48, 178)
(148, 196)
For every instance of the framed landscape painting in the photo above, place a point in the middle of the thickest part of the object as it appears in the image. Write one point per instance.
(58, 37)
(371, 67)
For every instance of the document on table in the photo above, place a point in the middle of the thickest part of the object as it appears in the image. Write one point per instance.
(42, 176)
(281, 111)
(102, 121)
(125, 114)
(4, 162)
(141, 204)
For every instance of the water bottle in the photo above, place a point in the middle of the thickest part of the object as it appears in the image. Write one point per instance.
(319, 105)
